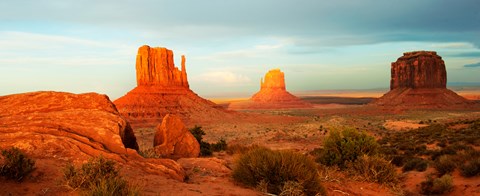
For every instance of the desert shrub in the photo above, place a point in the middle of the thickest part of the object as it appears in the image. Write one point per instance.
(435, 186)
(275, 169)
(292, 188)
(471, 167)
(206, 149)
(341, 148)
(444, 164)
(417, 164)
(98, 176)
(16, 164)
(374, 169)
(197, 132)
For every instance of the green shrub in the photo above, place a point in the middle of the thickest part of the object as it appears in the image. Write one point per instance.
(471, 167)
(219, 146)
(206, 149)
(98, 176)
(16, 164)
(374, 169)
(437, 186)
(341, 148)
(197, 132)
(275, 169)
(445, 164)
(417, 164)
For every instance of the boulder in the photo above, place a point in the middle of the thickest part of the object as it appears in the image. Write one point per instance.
(173, 140)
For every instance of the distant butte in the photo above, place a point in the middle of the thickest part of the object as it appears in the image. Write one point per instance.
(272, 95)
(162, 89)
(419, 80)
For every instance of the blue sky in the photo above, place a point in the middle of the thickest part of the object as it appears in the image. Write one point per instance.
(85, 45)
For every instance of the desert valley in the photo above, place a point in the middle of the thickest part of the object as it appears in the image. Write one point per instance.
(415, 128)
(271, 97)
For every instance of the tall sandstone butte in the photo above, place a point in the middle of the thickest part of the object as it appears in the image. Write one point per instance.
(419, 80)
(155, 67)
(272, 95)
(162, 89)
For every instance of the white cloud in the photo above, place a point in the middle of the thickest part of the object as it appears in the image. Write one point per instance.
(222, 78)
(453, 45)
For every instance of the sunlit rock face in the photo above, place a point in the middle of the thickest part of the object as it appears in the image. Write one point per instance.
(155, 66)
(162, 89)
(272, 95)
(418, 80)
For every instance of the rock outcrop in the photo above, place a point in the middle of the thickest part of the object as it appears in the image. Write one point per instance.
(173, 140)
(56, 127)
(418, 80)
(163, 89)
(272, 95)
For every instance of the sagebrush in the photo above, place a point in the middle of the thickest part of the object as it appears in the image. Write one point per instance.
(276, 168)
(98, 176)
(344, 147)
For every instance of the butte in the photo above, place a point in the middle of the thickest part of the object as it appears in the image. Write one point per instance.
(419, 80)
(272, 95)
(163, 89)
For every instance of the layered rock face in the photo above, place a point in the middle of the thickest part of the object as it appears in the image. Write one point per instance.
(272, 95)
(418, 80)
(162, 89)
(173, 140)
(419, 69)
(56, 127)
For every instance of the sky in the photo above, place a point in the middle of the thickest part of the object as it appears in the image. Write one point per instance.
(90, 46)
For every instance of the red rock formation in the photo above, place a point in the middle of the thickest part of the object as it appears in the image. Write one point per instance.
(173, 140)
(418, 80)
(272, 95)
(55, 127)
(155, 67)
(419, 69)
(162, 89)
